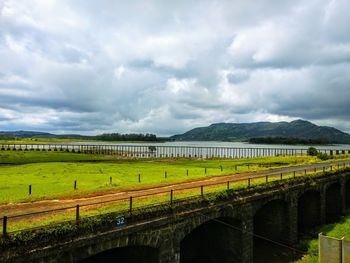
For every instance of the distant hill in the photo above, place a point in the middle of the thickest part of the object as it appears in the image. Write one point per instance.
(245, 131)
(12, 135)
(25, 134)
(35, 134)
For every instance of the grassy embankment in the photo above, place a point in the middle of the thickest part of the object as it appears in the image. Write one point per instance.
(52, 175)
(338, 230)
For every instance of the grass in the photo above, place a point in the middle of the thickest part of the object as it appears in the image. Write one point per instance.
(52, 174)
(338, 230)
(27, 157)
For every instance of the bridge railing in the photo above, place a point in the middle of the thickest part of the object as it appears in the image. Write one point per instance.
(137, 204)
(159, 151)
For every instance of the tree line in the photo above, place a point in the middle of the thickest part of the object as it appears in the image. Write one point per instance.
(127, 137)
(288, 140)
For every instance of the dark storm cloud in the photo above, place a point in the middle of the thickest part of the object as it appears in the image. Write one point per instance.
(167, 66)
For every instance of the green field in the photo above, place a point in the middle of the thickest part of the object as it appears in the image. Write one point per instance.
(52, 174)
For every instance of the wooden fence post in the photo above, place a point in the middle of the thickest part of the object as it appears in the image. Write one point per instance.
(77, 214)
(130, 204)
(4, 226)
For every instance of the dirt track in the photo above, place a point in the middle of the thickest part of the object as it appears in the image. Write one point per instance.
(25, 208)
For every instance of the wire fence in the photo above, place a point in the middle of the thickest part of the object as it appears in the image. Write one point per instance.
(141, 202)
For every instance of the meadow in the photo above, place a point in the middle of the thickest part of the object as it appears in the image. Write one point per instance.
(52, 174)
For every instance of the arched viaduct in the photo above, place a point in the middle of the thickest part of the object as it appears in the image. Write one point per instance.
(232, 230)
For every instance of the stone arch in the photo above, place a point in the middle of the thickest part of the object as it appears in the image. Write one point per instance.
(271, 220)
(271, 226)
(333, 202)
(124, 244)
(128, 254)
(215, 240)
(192, 223)
(309, 210)
(347, 193)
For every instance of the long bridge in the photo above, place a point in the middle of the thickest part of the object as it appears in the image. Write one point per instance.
(238, 226)
(161, 151)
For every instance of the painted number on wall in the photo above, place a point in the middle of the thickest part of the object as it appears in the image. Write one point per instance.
(120, 221)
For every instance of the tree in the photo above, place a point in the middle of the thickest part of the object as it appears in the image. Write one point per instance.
(312, 151)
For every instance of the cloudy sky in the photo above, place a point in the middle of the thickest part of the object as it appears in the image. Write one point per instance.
(87, 66)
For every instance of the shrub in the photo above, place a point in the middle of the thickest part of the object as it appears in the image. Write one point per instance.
(323, 156)
(312, 151)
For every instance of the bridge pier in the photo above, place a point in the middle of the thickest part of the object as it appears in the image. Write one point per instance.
(169, 250)
(343, 195)
(323, 206)
(293, 219)
(247, 240)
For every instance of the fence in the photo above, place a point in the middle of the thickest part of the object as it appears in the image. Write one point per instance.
(126, 206)
(147, 151)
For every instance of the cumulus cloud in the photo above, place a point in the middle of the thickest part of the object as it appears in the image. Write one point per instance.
(168, 66)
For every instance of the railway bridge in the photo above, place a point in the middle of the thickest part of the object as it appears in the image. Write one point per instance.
(233, 227)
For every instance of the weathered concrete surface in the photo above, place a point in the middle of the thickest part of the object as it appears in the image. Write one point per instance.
(346, 251)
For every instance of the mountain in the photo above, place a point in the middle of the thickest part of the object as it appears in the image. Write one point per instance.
(244, 131)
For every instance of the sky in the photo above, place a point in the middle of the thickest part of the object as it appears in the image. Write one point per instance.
(165, 67)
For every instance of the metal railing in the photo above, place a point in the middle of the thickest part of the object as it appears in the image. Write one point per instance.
(158, 151)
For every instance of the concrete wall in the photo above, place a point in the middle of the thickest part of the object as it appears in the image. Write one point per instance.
(333, 250)
(330, 249)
